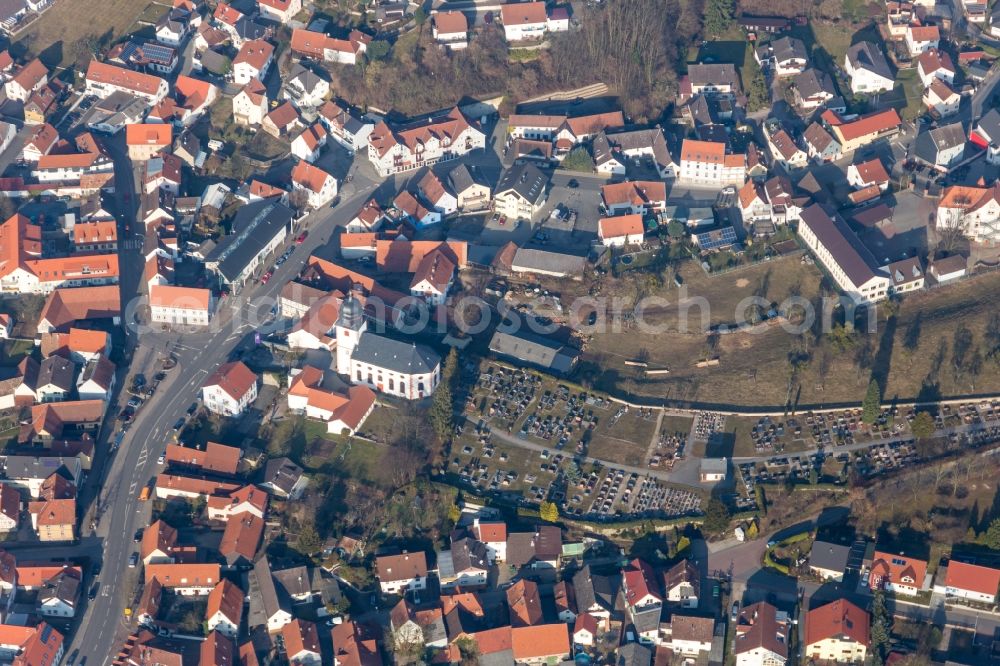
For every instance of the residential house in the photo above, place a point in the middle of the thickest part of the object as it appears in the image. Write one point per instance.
(620, 231)
(868, 69)
(708, 163)
(596, 594)
(281, 11)
(688, 635)
(450, 28)
(682, 585)
(341, 412)
(10, 508)
(250, 104)
(986, 135)
(283, 120)
(434, 191)
(228, 499)
(521, 192)
(59, 596)
(611, 152)
(942, 147)
(230, 390)
(785, 152)
(144, 141)
(305, 87)
(422, 143)
(762, 635)
(523, 21)
(941, 99)
(42, 103)
(103, 79)
(39, 143)
(897, 573)
(813, 88)
(309, 143)
(921, 38)
(829, 560)
(868, 173)
(837, 632)
(641, 197)
(188, 579)
(319, 187)
(54, 520)
(329, 49)
(302, 643)
(465, 565)
(863, 130)
(284, 479)
(241, 538)
(711, 79)
(186, 306)
(974, 210)
(346, 126)
(524, 603)
(934, 64)
(401, 573)
(470, 188)
(97, 380)
(494, 536)
(786, 55)
(640, 586)
(965, 580)
(27, 80)
(253, 61)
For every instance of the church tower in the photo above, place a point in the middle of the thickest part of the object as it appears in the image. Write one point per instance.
(349, 327)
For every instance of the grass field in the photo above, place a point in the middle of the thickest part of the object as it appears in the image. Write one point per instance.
(62, 36)
(911, 355)
(624, 442)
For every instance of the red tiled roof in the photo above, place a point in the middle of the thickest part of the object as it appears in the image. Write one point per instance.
(235, 378)
(183, 575)
(523, 13)
(100, 72)
(241, 536)
(539, 641)
(617, 227)
(255, 53)
(972, 577)
(840, 619)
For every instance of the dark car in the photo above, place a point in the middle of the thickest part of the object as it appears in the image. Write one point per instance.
(573, 183)
(96, 570)
(139, 379)
(179, 424)
(134, 402)
(126, 414)
(138, 536)
(93, 591)
(192, 409)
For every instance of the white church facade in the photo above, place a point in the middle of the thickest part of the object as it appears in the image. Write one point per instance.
(402, 369)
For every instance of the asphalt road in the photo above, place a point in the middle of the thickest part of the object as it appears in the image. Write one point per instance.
(102, 627)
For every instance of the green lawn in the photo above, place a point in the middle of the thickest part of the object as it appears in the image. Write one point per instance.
(15, 350)
(909, 85)
(833, 40)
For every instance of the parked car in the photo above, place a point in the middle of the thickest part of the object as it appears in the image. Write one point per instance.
(137, 537)
(133, 560)
(301, 237)
(179, 424)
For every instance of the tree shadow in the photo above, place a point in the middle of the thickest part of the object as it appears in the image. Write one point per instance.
(883, 357)
(52, 55)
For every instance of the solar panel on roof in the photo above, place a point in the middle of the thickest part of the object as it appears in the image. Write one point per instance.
(710, 240)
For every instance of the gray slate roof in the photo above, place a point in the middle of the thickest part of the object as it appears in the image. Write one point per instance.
(788, 48)
(253, 228)
(865, 55)
(535, 349)
(813, 82)
(526, 180)
(830, 556)
(854, 258)
(394, 355)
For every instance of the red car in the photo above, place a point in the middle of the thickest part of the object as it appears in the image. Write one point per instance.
(301, 237)
(266, 276)
(503, 221)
